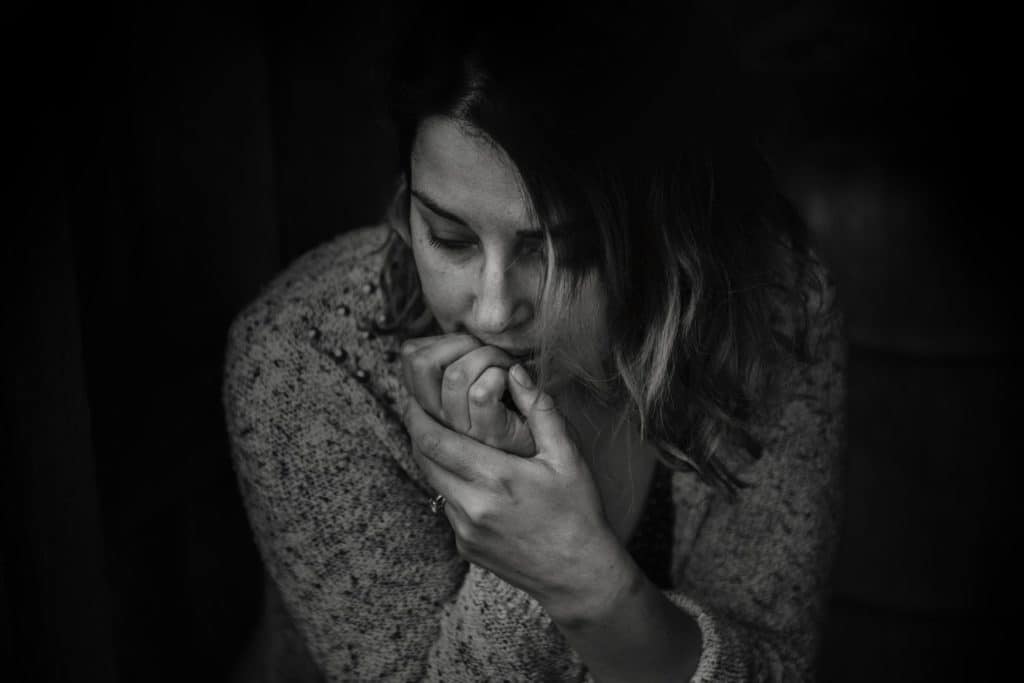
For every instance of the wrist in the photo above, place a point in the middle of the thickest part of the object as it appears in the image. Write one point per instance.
(604, 578)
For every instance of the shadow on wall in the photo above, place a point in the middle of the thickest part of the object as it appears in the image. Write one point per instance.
(883, 158)
(879, 119)
(918, 578)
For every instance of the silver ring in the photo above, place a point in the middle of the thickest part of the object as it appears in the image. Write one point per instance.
(437, 503)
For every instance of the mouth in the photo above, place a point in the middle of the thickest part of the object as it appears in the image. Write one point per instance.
(527, 359)
(516, 352)
(519, 355)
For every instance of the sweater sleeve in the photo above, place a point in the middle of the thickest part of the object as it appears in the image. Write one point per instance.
(341, 521)
(756, 574)
(370, 579)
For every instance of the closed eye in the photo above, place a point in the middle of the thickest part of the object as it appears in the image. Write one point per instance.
(448, 244)
(529, 246)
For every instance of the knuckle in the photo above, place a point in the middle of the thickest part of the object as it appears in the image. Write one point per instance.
(408, 349)
(507, 488)
(480, 395)
(500, 487)
(479, 516)
(419, 361)
(429, 443)
(454, 377)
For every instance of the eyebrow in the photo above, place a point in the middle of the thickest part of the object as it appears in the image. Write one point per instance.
(454, 218)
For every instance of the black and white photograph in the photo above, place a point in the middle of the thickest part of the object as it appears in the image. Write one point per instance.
(530, 341)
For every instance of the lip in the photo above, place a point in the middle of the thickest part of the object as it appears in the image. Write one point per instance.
(519, 354)
(515, 352)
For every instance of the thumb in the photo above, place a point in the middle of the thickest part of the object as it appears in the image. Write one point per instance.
(545, 422)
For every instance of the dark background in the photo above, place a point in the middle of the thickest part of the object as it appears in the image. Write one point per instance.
(168, 162)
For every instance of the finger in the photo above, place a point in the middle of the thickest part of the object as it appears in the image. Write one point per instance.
(491, 421)
(546, 423)
(462, 374)
(438, 478)
(460, 455)
(417, 342)
(455, 491)
(409, 347)
(423, 365)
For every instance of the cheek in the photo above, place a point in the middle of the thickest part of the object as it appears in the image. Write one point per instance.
(442, 287)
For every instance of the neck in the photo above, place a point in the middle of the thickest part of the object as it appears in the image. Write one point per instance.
(621, 463)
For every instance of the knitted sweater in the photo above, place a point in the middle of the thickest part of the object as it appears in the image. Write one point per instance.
(372, 580)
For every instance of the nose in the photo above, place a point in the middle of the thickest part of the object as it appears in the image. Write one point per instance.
(501, 303)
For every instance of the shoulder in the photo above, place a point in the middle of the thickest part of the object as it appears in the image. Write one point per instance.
(325, 300)
(816, 318)
(303, 355)
(806, 302)
(798, 421)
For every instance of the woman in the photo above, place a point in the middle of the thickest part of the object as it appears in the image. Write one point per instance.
(575, 410)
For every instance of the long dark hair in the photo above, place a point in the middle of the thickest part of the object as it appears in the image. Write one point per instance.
(629, 135)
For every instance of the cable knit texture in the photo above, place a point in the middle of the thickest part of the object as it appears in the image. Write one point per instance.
(371, 581)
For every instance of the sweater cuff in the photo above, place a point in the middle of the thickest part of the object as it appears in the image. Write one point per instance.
(714, 661)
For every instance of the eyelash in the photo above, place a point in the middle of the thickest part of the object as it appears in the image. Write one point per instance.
(447, 245)
(461, 245)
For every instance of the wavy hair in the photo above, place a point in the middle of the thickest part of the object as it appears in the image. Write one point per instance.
(628, 135)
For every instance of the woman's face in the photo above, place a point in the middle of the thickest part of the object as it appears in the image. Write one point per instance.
(480, 258)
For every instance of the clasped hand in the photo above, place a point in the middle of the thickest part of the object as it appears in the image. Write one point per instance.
(520, 498)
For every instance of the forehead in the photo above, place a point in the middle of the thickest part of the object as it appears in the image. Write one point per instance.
(469, 175)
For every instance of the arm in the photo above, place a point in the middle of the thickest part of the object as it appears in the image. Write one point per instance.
(344, 530)
(537, 524)
(637, 635)
(371, 580)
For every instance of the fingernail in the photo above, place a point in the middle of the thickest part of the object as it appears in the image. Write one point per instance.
(520, 375)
